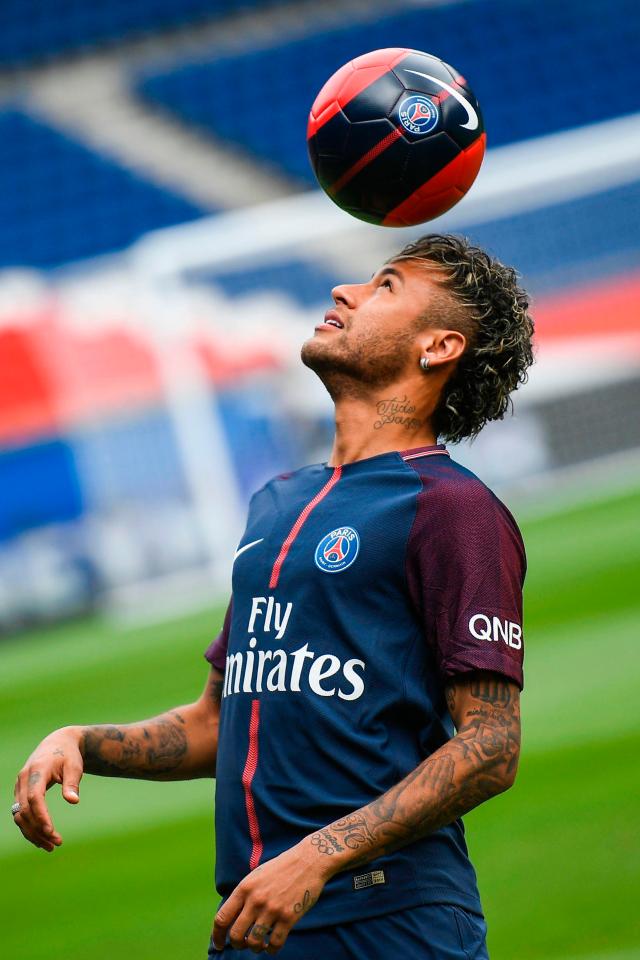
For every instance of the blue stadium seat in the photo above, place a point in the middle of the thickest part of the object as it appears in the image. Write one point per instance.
(571, 242)
(536, 68)
(35, 29)
(136, 457)
(60, 201)
(27, 502)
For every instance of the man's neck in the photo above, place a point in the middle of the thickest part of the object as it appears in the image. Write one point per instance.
(368, 427)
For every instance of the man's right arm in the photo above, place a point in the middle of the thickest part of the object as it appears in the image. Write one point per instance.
(181, 744)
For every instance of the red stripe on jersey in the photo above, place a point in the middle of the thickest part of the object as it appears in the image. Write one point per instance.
(365, 160)
(439, 194)
(349, 81)
(297, 527)
(247, 777)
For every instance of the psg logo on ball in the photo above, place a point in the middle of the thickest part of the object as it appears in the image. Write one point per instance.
(337, 550)
(418, 114)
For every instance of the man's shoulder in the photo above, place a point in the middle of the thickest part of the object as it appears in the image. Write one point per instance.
(310, 473)
(444, 478)
(451, 493)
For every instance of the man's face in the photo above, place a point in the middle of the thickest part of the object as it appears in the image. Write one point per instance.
(369, 337)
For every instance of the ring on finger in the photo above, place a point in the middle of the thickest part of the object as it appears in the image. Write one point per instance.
(15, 808)
(260, 930)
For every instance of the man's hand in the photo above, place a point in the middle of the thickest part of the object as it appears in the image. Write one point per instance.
(265, 905)
(178, 745)
(56, 760)
(479, 762)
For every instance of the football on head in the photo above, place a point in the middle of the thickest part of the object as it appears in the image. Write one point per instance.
(396, 137)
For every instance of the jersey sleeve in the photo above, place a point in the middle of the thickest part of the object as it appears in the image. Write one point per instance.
(216, 652)
(465, 568)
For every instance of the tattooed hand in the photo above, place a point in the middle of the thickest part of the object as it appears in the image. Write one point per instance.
(56, 760)
(264, 906)
(178, 745)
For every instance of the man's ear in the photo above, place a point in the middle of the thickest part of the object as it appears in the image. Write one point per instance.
(442, 346)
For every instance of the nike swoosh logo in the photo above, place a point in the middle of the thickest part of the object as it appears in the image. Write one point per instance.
(247, 546)
(473, 121)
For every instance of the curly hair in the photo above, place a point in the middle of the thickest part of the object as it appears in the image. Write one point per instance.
(490, 308)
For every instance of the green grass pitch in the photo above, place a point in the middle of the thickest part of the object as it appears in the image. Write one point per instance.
(558, 857)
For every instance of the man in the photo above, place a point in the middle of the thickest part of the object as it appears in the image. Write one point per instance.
(376, 606)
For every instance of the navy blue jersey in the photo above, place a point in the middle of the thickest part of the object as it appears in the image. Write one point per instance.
(358, 592)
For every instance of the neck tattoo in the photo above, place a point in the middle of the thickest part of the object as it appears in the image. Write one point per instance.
(398, 411)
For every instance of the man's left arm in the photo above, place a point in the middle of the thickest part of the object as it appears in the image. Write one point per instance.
(478, 763)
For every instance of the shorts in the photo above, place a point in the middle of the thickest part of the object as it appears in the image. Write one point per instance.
(435, 931)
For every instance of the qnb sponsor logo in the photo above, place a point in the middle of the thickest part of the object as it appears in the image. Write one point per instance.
(277, 671)
(494, 629)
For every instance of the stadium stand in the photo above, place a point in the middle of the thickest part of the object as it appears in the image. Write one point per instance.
(24, 507)
(535, 67)
(83, 399)
(61, 201)
(32, 30)
(585, 239)
(307, 282)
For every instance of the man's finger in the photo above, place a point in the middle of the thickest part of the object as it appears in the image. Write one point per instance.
(30, 833)
(27, 820)
(277, 938)
(26, 824)
(36, 787)
(259, 933)
(23, 818)
(71, 776)
(225, 917)
(240, 929)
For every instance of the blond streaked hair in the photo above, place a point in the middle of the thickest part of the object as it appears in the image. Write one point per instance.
(491, 309)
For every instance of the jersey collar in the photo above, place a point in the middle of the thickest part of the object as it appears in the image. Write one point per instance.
(414, 452)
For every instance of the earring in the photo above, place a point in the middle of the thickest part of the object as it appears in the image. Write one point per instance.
(424, 363)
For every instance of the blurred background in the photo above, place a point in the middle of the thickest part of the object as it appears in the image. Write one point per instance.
(163, 255)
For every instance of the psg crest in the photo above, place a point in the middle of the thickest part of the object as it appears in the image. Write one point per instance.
(337, 550)
(418, 114)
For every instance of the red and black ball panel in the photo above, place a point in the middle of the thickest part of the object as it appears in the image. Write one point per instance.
(396, 137)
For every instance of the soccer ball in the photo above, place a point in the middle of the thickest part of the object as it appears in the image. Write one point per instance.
(396, 137)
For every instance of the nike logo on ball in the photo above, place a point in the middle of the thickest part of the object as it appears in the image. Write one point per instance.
(247, 546)
(472, 122)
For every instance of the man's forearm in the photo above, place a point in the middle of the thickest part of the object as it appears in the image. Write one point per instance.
(479, 762)
(177, 745)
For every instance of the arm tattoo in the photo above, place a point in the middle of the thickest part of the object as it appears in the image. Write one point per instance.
(149, 751)
(479, 762)
(450, 693)
(490, 689)
(349, 833)
(215, 689)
